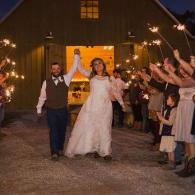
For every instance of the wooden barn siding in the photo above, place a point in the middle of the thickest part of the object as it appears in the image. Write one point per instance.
(33, 19)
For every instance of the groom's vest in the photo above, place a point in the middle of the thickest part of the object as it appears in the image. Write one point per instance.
(57, 95)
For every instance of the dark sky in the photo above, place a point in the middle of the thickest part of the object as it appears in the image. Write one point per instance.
(176, 5)
(6, 5)
(179, 6)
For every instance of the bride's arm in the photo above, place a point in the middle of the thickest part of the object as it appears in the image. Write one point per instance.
(83, 71)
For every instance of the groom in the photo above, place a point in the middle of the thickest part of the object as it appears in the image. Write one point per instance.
(54, 94)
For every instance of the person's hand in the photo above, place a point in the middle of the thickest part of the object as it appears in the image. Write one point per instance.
(77, 51)
(39, 115)
(176, 54)
(159, 115)
(124, 108)
(146, 77)
(139, 73)
(192, 61)
(3, 62)
(168, 66)
(154, 68)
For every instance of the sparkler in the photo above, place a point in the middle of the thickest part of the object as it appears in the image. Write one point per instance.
(181, 27)
(146, 96)
(145, 45)
(158, 43)
(9, 66)
(155, 29)
(158, 64)
(135, 57)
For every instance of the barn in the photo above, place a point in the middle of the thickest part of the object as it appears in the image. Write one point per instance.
(46, 31)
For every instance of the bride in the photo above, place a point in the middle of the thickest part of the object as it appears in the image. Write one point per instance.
(92, 129)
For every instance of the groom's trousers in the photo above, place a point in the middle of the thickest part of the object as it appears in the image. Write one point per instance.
(57, 121)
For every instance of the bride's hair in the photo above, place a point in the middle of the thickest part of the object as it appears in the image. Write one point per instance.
(93, 72)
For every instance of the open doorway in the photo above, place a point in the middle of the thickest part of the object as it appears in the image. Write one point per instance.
(79, 88)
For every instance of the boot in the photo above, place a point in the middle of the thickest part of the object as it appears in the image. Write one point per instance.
(190, 170)
(185, 167)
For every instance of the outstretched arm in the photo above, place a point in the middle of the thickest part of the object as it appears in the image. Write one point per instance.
(185, 65)
(68, 77)
(161, 74)
(180, 82)
(83, 71)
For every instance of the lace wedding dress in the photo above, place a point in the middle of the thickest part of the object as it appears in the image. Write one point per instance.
(92, 129)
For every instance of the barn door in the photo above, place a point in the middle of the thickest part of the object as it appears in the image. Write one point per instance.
(54, 53)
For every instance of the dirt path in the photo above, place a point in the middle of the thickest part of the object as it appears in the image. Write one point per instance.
(26, 168)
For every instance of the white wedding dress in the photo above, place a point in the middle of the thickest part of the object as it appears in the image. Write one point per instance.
(92, 129)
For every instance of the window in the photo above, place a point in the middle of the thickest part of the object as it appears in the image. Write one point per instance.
(89, 9)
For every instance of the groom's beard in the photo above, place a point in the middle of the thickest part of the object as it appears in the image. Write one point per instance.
(56, 75)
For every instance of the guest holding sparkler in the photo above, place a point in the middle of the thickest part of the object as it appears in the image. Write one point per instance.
(167, 130)
(183, 122)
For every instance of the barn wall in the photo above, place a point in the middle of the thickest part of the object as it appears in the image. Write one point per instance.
(33, 19)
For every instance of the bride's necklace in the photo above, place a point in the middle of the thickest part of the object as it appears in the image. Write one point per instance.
(100, 77)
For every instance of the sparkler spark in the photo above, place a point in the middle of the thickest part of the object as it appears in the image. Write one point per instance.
(155, 29)
(181, 27)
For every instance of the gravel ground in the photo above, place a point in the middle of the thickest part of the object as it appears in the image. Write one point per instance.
(26, 168)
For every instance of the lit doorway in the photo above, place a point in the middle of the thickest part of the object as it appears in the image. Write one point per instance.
(79, 88)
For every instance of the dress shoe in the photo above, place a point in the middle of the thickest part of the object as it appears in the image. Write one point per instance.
(61, 153)
(54, 157)
(108, 158)
(96, 155)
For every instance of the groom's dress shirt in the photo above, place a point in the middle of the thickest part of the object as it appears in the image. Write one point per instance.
(57, 80)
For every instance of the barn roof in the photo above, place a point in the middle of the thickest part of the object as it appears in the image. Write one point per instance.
(156, 1)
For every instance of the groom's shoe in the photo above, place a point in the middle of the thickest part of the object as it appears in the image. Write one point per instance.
(96, 155)
(54, 157)
(61, 153)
